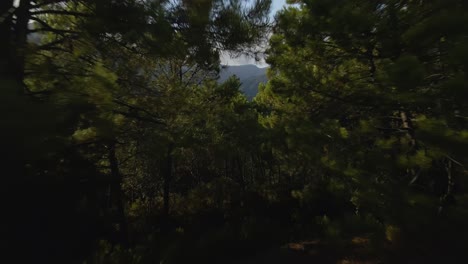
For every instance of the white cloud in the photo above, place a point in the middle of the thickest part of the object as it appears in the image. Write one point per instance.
(226, 59)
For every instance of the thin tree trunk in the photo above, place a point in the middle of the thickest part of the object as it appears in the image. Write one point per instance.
(241, 172)
(447, 198)
(262, 168)
(408, 125)
(167, 177)
(253, 170)
(279, 173)
(117, 195)
(21, 34)
(270, 173)
(226, 170)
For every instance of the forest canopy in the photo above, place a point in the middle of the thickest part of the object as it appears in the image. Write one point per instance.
(120, 144)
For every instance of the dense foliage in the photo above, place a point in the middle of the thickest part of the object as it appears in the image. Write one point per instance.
(119, 145)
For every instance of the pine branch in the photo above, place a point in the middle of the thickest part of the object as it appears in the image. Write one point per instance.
(60, 12)
(47, 28)
(153, 118)
(54, 30)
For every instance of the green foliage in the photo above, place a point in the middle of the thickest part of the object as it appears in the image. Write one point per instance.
(123, 145)
(364, 88)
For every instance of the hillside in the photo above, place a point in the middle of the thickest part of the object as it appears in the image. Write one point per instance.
(250, 76)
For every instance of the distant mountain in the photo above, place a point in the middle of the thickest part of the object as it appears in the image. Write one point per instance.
(250, 76)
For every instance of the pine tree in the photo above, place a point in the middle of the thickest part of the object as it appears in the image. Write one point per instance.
(360, 90)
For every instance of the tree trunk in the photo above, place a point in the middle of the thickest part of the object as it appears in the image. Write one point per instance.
(447, 199)
(226, 167)
(20, 41)
(117, 195)
(167, 177)
(6, 45)
(241, 172)
(408, 125)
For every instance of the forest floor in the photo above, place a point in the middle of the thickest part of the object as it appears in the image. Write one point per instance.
(354, 251)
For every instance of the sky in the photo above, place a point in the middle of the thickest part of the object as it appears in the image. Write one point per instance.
(277, 5)
(225, 58)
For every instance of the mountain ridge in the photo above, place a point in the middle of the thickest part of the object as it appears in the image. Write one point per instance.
(250, 76)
